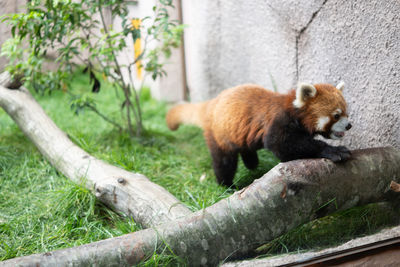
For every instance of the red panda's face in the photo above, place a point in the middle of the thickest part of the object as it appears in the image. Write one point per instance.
(324, 109)
(333, 125)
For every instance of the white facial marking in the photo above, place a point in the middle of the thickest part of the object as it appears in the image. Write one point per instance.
(339, 127)
(322, 122)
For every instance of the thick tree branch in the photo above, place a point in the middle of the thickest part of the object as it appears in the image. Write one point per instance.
(290, 194)
(130, 193)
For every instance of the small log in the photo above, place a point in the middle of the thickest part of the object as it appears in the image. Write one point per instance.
(126, 192)
(289, 195)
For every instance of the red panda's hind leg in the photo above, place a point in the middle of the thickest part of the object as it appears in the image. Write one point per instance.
(250, 158)
(224, 162)
(225, 165)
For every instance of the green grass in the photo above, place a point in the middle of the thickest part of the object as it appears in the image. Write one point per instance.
(334, 229)
(41, 210)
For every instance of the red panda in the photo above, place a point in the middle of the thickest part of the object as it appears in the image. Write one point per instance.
(243, 119)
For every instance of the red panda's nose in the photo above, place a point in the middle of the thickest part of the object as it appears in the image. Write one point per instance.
(348, 127)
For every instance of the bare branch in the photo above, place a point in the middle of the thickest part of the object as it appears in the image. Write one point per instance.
(249, 218)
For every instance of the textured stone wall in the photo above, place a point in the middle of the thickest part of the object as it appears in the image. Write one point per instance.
(359, 42)
(277, 43)
(233, 42)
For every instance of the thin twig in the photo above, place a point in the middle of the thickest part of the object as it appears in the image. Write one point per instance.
(95, 110)
(124, 87)
(137, 101)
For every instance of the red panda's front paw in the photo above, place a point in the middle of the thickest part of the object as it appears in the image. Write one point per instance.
(345, 153)
(336, 153)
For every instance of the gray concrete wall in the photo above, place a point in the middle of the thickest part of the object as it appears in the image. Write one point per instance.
(359, 42)
(281, 42)
(172, 86)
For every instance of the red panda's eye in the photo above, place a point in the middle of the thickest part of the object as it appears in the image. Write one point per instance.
(337, 116)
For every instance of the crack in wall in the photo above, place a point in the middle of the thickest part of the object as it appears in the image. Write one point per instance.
(300, 33)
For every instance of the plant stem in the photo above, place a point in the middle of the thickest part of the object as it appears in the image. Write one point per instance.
(137, 118)
(95, 110)
(139, 125)
(125, 88)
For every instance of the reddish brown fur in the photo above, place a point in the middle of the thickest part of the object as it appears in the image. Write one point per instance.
(327, 100)
(245, 118)
(241, 114)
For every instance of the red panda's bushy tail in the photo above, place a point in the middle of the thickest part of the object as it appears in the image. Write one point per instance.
(186, 114)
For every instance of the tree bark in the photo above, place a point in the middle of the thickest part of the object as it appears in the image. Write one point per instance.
(290, 194)
(126, 192)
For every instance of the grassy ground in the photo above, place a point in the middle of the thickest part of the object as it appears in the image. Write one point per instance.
(40, 210)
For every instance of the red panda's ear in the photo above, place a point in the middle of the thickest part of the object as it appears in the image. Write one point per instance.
(340, 85)
(304, 92)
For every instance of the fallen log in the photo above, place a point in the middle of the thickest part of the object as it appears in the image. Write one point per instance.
(291, 194)
(129, 193)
